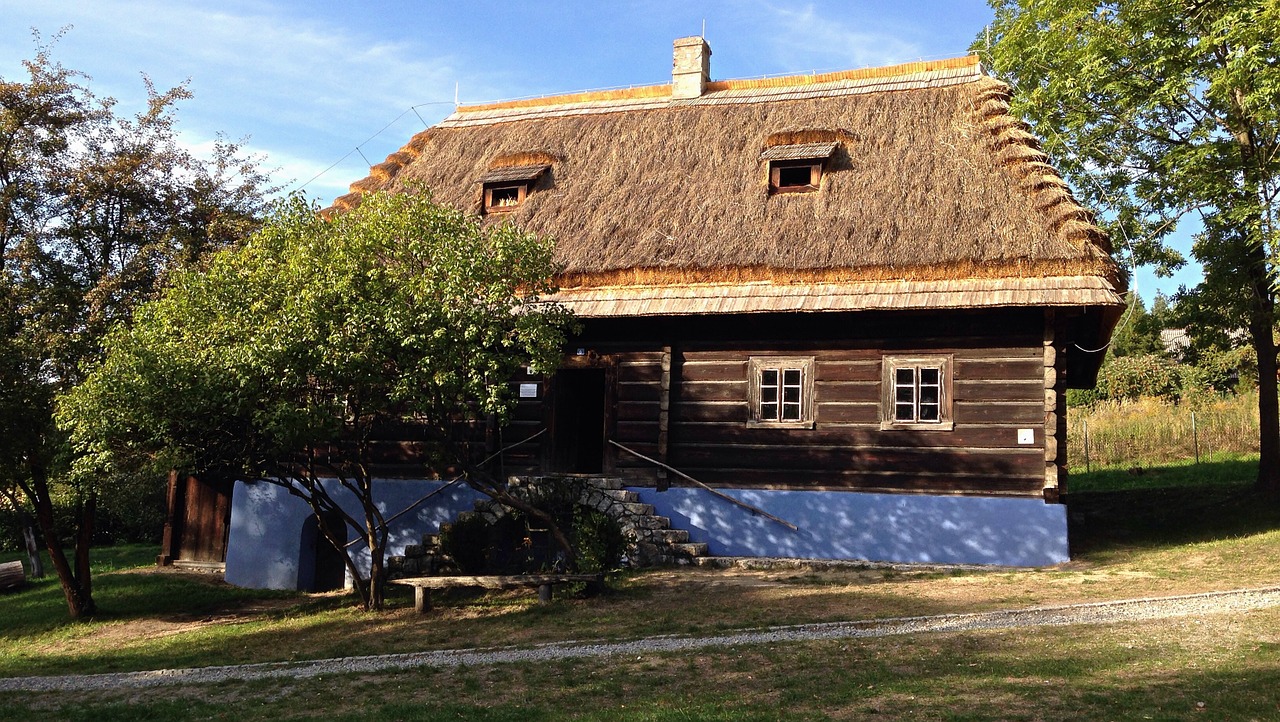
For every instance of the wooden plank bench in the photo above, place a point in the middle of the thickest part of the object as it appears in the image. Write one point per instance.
(12, 575)
(422, 586)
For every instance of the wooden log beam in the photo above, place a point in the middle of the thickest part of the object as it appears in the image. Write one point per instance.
(12, 575)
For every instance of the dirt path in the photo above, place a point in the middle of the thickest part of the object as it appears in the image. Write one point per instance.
(1236, 601)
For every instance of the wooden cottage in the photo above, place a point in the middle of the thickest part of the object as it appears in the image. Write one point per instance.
(854, 300)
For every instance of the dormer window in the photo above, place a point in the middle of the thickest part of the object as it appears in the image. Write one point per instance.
(504, 197)
(797, 168)
(505, 189)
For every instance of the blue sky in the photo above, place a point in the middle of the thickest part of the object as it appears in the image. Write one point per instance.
(306, 83)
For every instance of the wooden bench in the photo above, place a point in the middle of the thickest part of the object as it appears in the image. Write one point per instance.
(12, 575)
(422, 586)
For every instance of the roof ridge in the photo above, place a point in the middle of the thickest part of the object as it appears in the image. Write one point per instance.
(664, 90)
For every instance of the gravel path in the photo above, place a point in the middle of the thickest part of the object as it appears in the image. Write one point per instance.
(1241, 600)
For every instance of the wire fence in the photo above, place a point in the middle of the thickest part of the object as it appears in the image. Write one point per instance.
(1149, 432)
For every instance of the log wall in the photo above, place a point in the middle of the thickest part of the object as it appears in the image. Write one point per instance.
(682, 386)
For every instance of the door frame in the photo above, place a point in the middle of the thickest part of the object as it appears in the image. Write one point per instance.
(578, 362)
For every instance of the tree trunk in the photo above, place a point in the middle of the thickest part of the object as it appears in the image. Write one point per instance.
(1261, 327)
(79, 600)
(376, 573)
(84, 539)
(1268, 410)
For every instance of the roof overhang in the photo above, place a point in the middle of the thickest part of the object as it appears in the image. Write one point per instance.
(767, 297)
(800, 151)
(514, 174)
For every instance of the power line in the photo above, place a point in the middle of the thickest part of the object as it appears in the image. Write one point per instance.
(411, 109)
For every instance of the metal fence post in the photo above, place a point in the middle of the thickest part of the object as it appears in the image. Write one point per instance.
(1087, 467)
(1195, 437)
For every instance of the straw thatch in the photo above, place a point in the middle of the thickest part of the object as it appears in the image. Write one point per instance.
(930, 179)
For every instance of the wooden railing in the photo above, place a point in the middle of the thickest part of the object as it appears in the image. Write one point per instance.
(736, 502)
(386, 522)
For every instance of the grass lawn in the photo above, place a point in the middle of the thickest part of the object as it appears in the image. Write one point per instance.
(1127, 543)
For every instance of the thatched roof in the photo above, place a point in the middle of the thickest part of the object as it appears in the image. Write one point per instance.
(932, 194)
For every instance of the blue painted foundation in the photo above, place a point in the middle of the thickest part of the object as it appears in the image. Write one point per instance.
(267, 546)
(873, 527)
(265, 549)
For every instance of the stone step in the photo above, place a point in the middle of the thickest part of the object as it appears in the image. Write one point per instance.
(609, 483)
(669, 536)
(633, 507)
(647, 522)
(621, 495)
(691, 549)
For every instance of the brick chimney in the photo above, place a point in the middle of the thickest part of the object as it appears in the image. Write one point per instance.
(691, 69)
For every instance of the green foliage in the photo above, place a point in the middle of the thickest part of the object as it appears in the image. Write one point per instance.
(96, 207)
(128, 513)
(1138, 333)
(1131, 377)
(314, 329)
(598, 539)
(281, 358)
(1155, 110)
(517, 544)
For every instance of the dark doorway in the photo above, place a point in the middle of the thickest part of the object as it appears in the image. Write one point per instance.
(321, 566)
(578, 421)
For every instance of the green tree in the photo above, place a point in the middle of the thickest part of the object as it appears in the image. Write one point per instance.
(1138, 332)
(284, 357)
(95, 208)
(1157, 109)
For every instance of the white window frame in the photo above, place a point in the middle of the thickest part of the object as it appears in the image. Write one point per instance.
(774, 401)
(913, 394)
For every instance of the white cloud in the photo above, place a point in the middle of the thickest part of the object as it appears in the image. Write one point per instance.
(802, 35)
(304, 91)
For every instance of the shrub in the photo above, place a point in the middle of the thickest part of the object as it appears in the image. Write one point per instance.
(1133, 377)
(516, 544)
(1082, 398)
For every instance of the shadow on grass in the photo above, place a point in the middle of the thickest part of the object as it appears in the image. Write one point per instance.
(120, 595)
(1162, 506)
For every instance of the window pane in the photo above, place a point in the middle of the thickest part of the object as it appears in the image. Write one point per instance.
(906, 377)
(794, 176)
(904, 412)
(769, 377)
(791, 377)
(791, 394)
(791, 412)
(929, 412)
(768, 393)
(905, 394)
(768, 412)
(929, 376)
(929, 395)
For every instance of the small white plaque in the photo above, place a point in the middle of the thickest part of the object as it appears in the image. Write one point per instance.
(1026, 436)
(528, 391)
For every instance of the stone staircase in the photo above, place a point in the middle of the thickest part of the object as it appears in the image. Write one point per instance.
(651, 541)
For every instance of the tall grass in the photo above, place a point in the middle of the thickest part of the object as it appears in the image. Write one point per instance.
(1150, 432)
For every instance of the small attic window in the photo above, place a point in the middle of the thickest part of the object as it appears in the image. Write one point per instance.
(498, 198)
(797, 168)
(506, 188)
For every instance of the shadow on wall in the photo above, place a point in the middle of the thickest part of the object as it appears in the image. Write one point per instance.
(274, 543)
(874, 527)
